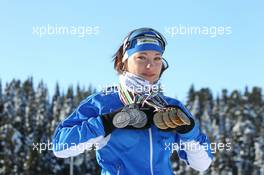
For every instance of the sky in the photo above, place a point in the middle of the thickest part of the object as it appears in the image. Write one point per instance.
(226, 50)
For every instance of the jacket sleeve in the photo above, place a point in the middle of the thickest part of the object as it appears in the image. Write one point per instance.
(193, 146)
(79, 131)
(195, 149)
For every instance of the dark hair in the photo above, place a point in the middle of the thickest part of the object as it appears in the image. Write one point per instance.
(119, 66)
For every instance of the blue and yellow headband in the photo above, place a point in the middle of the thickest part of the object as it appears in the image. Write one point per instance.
(143, 39)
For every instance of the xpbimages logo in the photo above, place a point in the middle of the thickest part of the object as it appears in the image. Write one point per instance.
(57, 30)
(43, 146)
(189, 30)
(196, 147)
(146, 89)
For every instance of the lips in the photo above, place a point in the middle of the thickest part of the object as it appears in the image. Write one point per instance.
(148, 74)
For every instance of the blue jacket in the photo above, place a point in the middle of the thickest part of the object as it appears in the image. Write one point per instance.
(127, 151)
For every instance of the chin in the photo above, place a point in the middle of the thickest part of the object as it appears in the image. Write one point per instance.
(152, 80)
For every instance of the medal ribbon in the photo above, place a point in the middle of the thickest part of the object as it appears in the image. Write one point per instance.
(127, 85)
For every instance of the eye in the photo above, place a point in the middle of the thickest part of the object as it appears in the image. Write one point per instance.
(157, 58)
(141, 58)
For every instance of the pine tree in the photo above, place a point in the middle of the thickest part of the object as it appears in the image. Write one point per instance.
(10, 137)
(56, 105)
(255, 97)
(191, 96)
(1, 99)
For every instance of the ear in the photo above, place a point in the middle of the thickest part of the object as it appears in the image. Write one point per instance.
(165, 66)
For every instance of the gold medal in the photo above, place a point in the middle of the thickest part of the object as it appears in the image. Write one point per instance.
(158, 120)
(182, 116)
(167, 119)
(173, 116)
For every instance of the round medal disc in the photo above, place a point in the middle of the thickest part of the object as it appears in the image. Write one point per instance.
(167, 119)
(121, 119)
(174, 118)
(158, 121)
(142, 120)
(182, 116)
(135, 116)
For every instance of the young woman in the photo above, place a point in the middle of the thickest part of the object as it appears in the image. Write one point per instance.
(133, 126)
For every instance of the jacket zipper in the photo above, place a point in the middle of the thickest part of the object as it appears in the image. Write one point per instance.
(118, 169)
(151, 151)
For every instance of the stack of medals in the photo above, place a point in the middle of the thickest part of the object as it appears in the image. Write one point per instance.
(164, 117)
(170, 118)
(167, 117)
(130, 115)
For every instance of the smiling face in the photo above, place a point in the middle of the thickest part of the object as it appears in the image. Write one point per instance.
(146, 64)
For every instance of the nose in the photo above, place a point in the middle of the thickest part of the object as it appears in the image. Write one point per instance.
(149, 64)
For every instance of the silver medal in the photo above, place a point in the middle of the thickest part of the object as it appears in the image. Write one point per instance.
(121, 119)
(135, 116)
(142, 120)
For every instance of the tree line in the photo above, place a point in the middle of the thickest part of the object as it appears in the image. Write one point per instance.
(29, 116)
